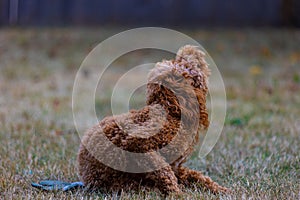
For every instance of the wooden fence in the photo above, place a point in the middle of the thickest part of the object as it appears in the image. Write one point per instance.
(150, 12)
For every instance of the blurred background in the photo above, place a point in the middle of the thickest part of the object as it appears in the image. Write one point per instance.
(255, 44)
(150, 12)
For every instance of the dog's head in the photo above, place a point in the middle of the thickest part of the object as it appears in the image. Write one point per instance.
(180, 85)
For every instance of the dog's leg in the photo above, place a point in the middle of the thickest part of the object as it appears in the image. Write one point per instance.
(188, 177)
(164, 178)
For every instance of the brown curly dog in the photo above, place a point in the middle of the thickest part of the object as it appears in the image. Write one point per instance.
(147, 147)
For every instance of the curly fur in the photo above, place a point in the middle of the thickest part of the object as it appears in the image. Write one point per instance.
(171, 111)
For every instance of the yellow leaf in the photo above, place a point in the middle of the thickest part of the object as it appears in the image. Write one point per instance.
(255, 70)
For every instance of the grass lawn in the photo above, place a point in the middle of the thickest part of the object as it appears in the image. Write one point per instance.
(257, 154)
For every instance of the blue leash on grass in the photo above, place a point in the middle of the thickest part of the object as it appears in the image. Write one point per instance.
(53, 185)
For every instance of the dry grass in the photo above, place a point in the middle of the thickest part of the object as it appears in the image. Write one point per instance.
(257, 154)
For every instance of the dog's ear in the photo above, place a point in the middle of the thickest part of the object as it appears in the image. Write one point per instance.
(194, 57)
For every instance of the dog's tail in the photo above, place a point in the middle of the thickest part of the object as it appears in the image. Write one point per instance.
(194, 56)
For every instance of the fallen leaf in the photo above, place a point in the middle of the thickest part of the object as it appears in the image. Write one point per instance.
(255, 70)
(294, 57)
(266, 52)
